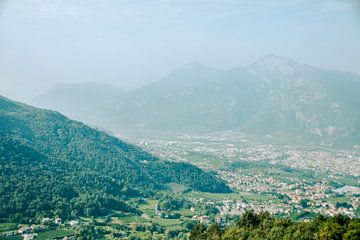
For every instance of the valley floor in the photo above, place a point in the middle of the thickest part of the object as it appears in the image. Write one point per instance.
(283, 180)
(295, 182)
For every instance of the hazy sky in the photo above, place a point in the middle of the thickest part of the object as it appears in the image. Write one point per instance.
(131, 43)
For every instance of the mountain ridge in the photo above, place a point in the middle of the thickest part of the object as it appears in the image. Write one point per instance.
(273, 96)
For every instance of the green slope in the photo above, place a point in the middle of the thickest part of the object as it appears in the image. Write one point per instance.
(50, 164)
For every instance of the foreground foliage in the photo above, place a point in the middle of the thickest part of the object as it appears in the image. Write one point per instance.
(263, 226)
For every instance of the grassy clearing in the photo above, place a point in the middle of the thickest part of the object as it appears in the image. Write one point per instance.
(142, 235)
(86, 219)
(137, 219)
(278, 171)
(167, 222)
(115, 220)
(186, 212)
(348, 180)
(176, 187)
(334, 200)
(196, 157)
(149, 207)
(231, 196)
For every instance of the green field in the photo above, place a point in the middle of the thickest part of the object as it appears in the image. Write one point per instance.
(334, 200)
(176, 187)
(53, 233)
(149, 207)
(85, 219)
(128, 220)
(257, 197)
(231, 196)
(186, 212)
(141, 235)
(196, 157)
(17, 237)
(161, 221)
(348, 180)
(167, 222)
(214, 196)
(170, 224)
(4, 227)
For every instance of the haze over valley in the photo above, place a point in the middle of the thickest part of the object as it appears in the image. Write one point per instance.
(283, 135)
(274, 98)
(210, 120)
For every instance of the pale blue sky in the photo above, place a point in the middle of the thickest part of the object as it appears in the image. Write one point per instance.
(131, 43)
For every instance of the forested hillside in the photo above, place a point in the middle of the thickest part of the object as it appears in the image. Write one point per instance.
(51, 165)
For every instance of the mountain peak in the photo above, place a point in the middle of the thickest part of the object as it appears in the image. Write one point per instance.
(190, 74)
(196, 66)
(272, 57)
(274, 64)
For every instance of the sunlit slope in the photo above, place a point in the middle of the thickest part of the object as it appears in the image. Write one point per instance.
(49, 163)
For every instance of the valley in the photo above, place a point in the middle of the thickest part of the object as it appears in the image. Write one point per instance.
(179, 120)
(283, 180)
(114, 189)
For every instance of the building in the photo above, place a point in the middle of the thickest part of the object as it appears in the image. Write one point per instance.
(24, 230)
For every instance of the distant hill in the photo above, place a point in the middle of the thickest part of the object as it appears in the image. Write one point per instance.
(85, 101)
(274, 99)
(51, 165)
(167, 103)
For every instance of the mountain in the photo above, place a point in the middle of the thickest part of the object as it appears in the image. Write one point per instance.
(101, 105)
(163, 103)
(84, 101)
(305, 104)
(273, 99)
(51, 165)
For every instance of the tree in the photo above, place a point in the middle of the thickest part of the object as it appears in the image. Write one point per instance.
(198, 232)
(353, 231)
(214, 232)
(249, 219)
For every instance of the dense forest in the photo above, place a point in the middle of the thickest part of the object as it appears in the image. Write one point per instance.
(263, 226)
(51, 165)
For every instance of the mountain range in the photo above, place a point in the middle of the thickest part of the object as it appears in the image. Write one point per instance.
(274, 99)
